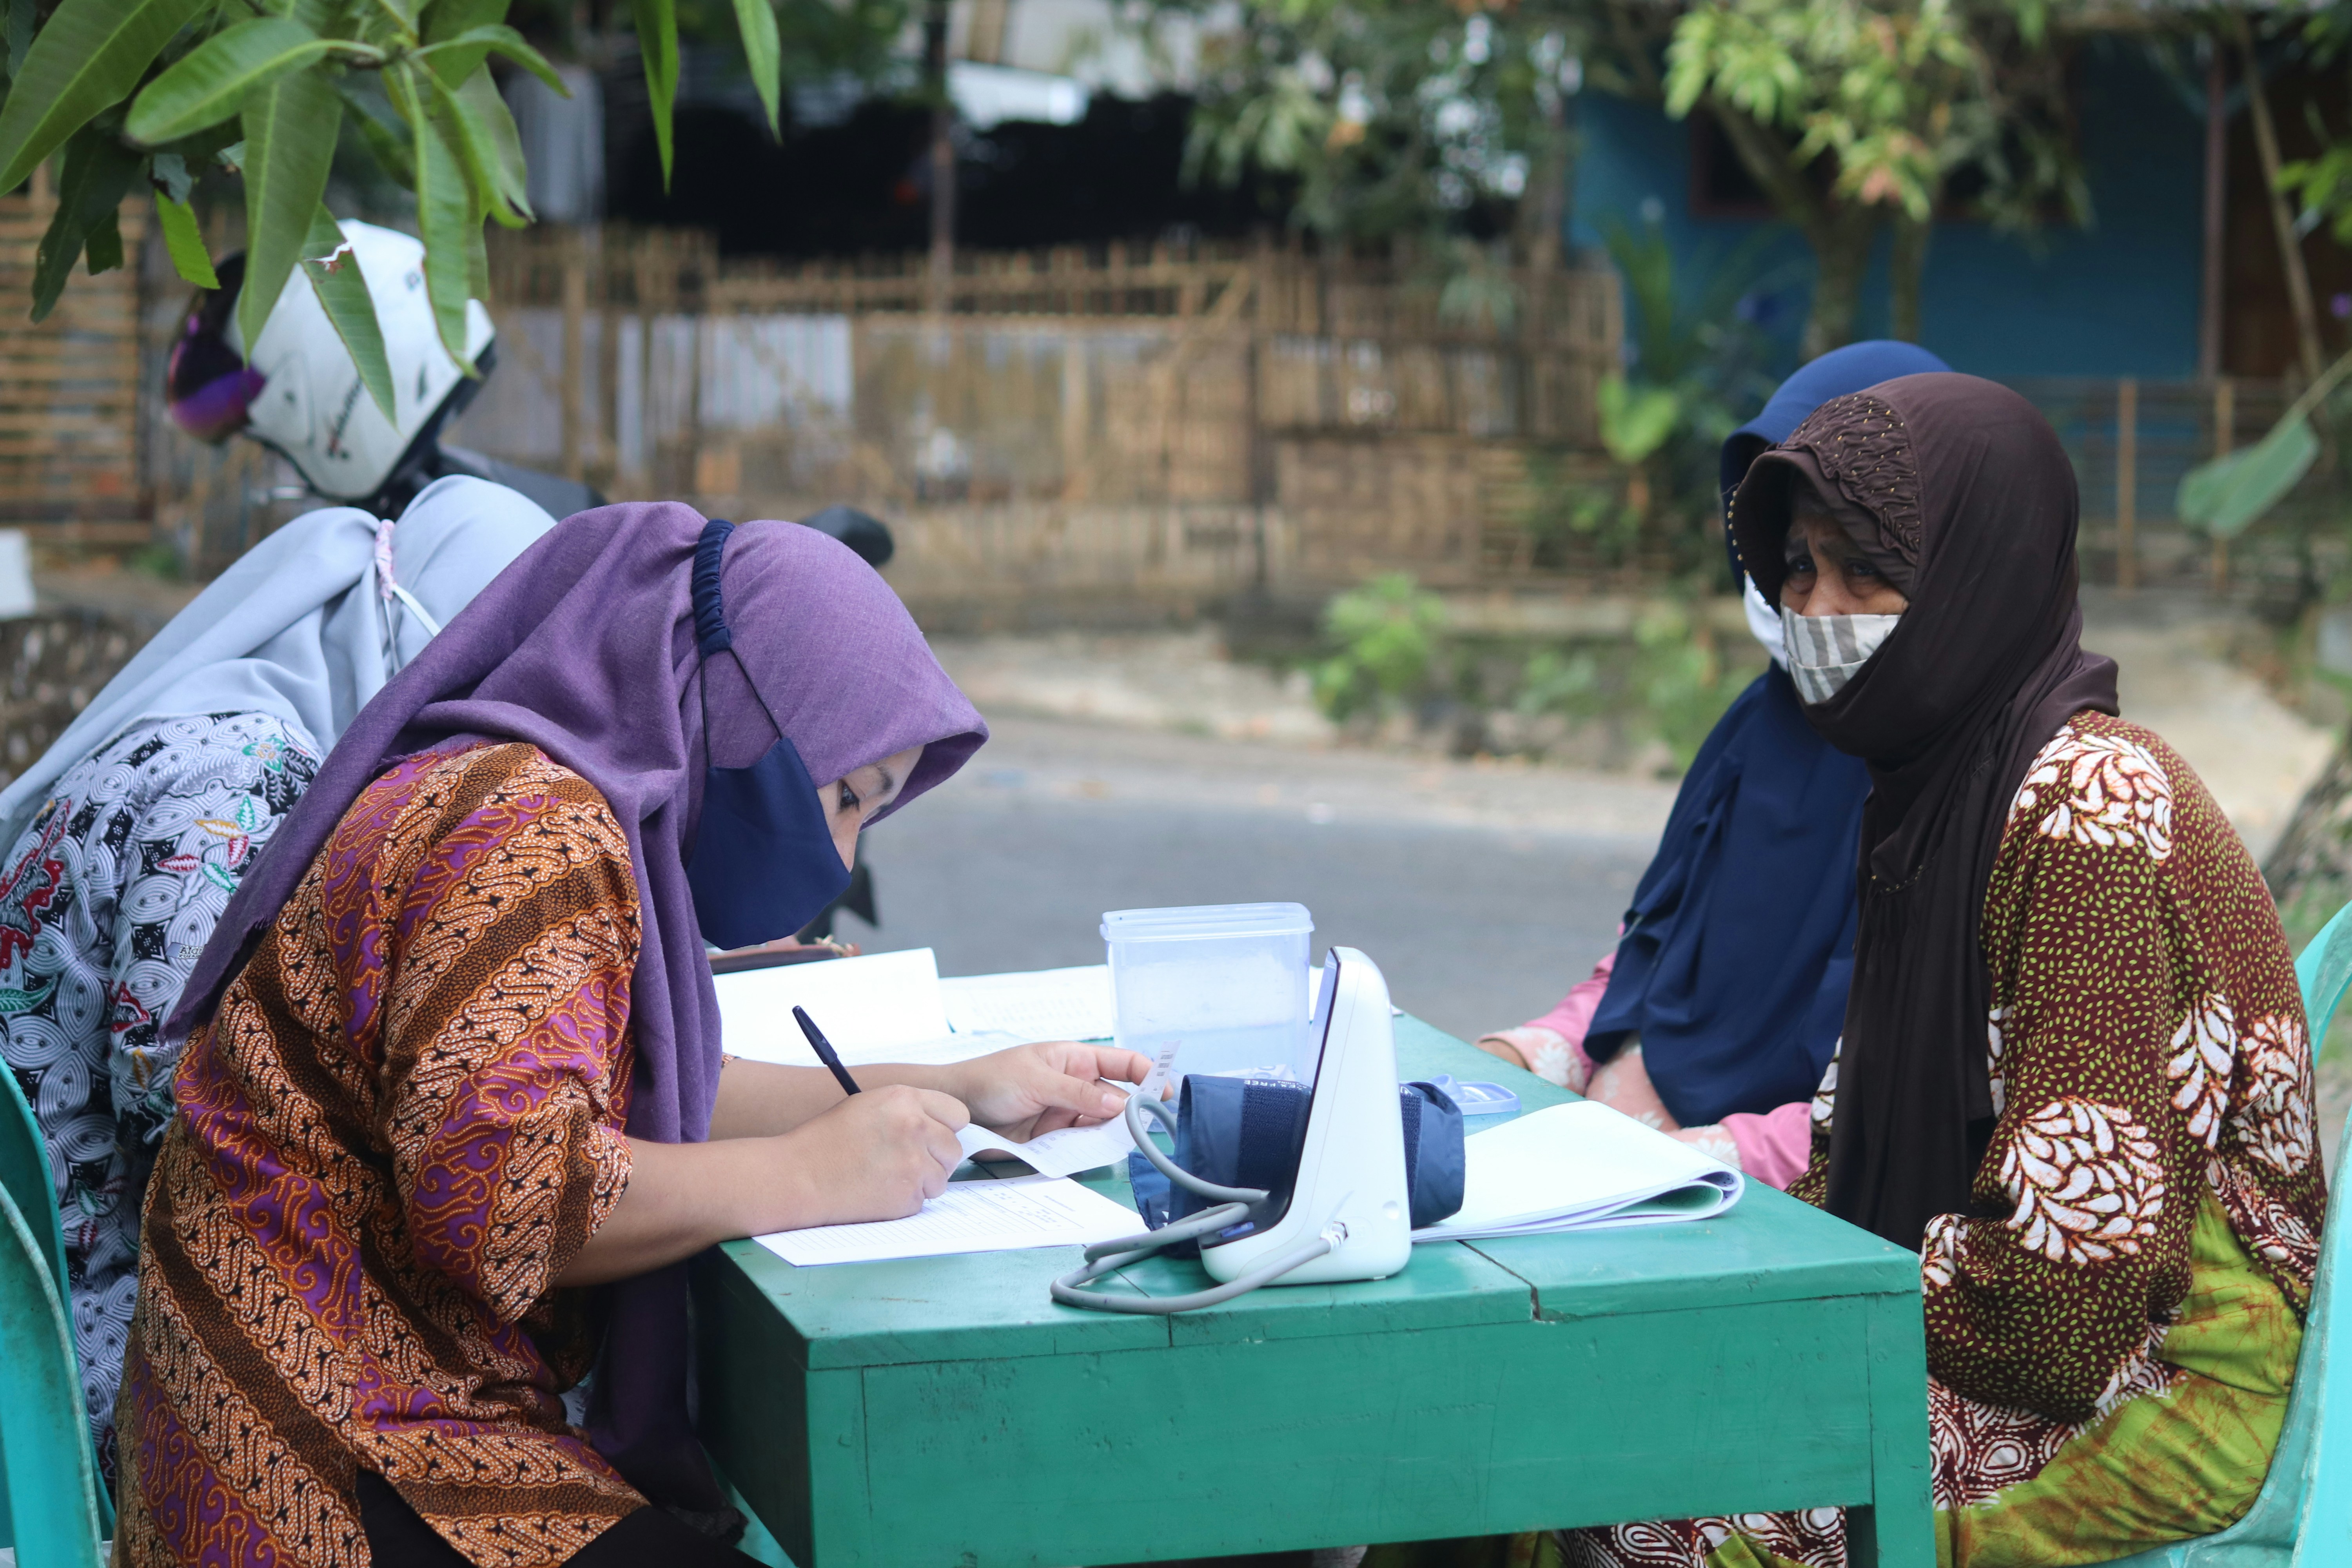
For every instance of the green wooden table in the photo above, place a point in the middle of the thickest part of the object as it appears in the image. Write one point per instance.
(942, 1412)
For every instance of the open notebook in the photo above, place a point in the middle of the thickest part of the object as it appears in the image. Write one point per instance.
(1580, 1166)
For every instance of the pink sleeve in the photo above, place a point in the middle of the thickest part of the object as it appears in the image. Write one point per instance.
(1573, 1017)
(1774, 1147)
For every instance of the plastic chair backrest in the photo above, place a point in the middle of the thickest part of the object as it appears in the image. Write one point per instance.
(2303, 1516)
(2321, 1528)
(24, 1174)
(25, 1178)
(53, 1494)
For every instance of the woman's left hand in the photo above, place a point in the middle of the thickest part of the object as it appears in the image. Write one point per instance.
(1036, 1089)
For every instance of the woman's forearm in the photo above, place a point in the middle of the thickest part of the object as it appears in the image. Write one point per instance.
(764, 1100)
(877, 1156)
(681, 1198)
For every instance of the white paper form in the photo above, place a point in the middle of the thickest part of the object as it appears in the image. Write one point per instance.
(1036, 1005)
(868, 1007)
(1062, 1153)
(969, 1217)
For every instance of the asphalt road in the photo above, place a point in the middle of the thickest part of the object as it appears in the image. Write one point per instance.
(1480, 906)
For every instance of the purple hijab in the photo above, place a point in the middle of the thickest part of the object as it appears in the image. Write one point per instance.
(585, 648)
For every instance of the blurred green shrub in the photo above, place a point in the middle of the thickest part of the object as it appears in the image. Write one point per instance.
(1673, 681)
(1387, 637)
(1556, 680)
(1679, 675)
(1390, 650)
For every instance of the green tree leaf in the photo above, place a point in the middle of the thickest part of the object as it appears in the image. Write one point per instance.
(764, 52)
(98, 172)
(480, 95)
(401, 14)
(333, 270)
(478, 144)
(657, 47)
(477, 258)
(22, 14)
(87, 57)
(445, 209)
(447, 20)
(104, 246)
(185, 241)
(1636, 423)
(210, 84)
(385, 142)
(289, 141)
(2225, 496)
(495, 40)
(2230, 493)
(170, 173)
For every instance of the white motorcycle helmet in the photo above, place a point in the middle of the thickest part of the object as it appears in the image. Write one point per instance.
(300, 391)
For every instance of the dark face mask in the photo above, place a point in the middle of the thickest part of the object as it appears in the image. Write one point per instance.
(764, 863)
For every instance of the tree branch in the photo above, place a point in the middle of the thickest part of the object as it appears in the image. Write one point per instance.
(1768, 160)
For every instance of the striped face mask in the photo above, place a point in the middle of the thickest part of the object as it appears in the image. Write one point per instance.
(1825, 651)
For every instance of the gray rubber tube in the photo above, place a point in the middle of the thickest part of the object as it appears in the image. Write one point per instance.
(1233, 1203)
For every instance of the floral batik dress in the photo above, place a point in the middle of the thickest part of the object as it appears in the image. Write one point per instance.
(105, 902)
(403, 1122)
(2112, 1330)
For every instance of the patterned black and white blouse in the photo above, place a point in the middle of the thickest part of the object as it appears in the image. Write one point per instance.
(105, 902)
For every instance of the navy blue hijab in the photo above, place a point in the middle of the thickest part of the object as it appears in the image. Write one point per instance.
(1737, 951)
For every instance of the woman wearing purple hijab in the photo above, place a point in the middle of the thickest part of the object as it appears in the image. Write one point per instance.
(452, 1090)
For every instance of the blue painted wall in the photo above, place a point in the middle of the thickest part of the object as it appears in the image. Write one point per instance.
(2118, 298)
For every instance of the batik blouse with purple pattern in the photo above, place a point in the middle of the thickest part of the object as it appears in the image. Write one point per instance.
(403, 1122)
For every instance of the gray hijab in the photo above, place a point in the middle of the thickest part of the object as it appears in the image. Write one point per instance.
(308, 625)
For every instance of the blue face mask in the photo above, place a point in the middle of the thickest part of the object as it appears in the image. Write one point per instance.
(763, 864)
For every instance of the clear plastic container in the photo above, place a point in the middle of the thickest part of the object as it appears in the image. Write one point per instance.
(1213, 988)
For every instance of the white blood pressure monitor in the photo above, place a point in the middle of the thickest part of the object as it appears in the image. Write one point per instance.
(1350, 1189)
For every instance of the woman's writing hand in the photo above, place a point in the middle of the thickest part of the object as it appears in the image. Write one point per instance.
(1036, 1089)
(875, 1155)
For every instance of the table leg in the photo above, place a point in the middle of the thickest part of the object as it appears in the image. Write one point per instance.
(1899, 1529)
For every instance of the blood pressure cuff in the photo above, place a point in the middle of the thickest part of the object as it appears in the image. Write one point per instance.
(1248, 1132)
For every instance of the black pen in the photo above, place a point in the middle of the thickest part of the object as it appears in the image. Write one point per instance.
(825, 1051)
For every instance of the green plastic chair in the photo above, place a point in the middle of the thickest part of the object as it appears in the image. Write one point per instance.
(2303, 1516)
(37, 1362)
(54, 1500)
(24, 1174)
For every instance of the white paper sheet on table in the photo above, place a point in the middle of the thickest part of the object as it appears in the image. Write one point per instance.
(1036, 1005)
(969, 1217)
(870, 1008)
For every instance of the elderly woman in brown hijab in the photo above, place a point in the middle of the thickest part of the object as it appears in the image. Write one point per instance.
(2075, 1075)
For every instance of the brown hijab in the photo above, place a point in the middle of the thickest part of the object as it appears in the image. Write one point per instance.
(1971, 488)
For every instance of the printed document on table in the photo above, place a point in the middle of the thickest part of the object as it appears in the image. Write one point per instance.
(868, 1007)
(1580, 1166)
(969, 1217)
(1036, 1005)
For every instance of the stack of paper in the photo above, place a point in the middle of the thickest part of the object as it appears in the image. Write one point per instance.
(969, 1217)
(1580, 1166)
(870, 1008)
